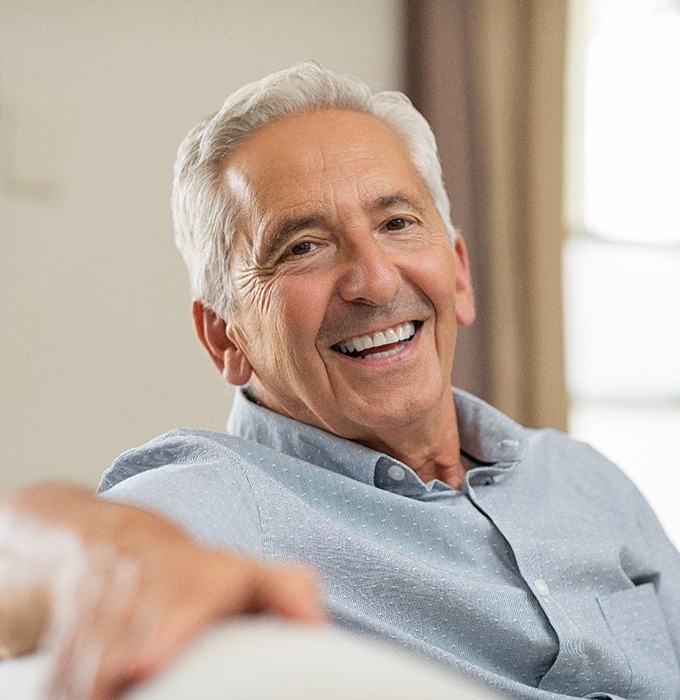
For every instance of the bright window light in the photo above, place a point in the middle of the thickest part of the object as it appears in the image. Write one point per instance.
(632, 121)
(622, 263)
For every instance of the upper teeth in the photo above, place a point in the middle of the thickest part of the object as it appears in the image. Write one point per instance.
(386, 337)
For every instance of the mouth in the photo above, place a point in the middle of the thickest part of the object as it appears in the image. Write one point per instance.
(381, 344)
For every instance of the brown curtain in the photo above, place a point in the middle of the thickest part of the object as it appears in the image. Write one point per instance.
(488, 75)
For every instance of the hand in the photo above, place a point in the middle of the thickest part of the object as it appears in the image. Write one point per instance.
(126, 588)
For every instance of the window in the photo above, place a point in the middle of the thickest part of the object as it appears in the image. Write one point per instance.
(622, 261)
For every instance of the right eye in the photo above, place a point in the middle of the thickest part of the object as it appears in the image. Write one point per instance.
(302, 248)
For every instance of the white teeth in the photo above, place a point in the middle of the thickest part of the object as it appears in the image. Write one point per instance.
(401, 332)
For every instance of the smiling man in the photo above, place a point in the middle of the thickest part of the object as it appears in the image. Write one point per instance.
(349, 288)
(329, 283)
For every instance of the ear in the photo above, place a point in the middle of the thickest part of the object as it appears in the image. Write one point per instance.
(465, 298)
(221, 340)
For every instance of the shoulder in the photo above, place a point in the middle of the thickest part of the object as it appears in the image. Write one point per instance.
(181, 447)
(563, 454)
(208, 483)
(568, 468)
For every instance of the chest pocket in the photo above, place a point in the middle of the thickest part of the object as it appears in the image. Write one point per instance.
(635, 619)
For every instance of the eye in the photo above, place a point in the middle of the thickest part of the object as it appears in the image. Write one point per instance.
(302, 248)
(397, 224)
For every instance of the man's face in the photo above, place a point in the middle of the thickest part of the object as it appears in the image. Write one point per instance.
(342, 248)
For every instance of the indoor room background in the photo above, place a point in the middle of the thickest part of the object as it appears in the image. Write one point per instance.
(97, 349)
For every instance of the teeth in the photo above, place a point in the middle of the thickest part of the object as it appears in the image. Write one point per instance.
(391, 335)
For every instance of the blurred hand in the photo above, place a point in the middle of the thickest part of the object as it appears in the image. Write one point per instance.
(113, 592)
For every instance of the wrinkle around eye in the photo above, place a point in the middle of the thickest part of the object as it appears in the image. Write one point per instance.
(301, 256)
(255, 288)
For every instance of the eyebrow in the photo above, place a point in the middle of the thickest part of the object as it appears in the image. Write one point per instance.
(283, 231)
(390, 200)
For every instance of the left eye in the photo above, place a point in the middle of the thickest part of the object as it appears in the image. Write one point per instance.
(396, 224)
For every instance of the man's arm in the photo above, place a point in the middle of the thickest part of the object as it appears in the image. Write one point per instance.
(125, 588)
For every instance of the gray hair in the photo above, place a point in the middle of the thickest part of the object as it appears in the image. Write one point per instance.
(205, 216)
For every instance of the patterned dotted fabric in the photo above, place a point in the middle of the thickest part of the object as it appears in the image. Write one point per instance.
(546, 576)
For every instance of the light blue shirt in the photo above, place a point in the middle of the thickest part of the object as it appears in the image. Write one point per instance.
(545, 576)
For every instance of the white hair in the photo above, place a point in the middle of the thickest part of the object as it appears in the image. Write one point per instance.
(205, 216)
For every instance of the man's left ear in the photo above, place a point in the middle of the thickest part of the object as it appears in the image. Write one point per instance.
(465, 298)
(220, 339)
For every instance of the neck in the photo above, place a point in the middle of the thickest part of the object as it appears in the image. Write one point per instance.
(429, 445)
(431, 450)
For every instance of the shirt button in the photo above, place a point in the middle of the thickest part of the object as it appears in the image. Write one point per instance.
(541, 587)
(396, 472)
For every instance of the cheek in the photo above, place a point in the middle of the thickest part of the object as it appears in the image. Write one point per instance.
(295, 311)
(300, 306)
(435, 274)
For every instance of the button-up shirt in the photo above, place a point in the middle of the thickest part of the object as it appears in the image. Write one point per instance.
(546, 575)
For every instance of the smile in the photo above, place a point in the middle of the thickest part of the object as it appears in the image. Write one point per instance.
(392, 340)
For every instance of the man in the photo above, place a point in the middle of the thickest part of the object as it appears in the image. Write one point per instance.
(329, 283)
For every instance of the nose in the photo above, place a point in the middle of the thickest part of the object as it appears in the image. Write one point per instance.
(369, 275)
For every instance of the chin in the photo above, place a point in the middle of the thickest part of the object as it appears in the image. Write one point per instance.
(386, 415)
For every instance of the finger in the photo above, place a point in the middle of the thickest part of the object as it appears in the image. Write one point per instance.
(291, 592)
(74, 653)
(226, 586)
(23, 618)
(95, 631)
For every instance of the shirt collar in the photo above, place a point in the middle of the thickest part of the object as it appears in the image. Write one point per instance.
(282, 434)
(491, 441)
(488, 436)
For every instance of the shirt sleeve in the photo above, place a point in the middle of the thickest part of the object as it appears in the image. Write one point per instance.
(194, 480)
(667, 559)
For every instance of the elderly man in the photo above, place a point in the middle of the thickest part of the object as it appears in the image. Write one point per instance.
(329, 283)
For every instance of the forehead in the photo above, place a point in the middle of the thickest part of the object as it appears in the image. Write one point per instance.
(318, 158)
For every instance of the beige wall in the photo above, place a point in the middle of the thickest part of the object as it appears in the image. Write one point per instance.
(97, 352)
